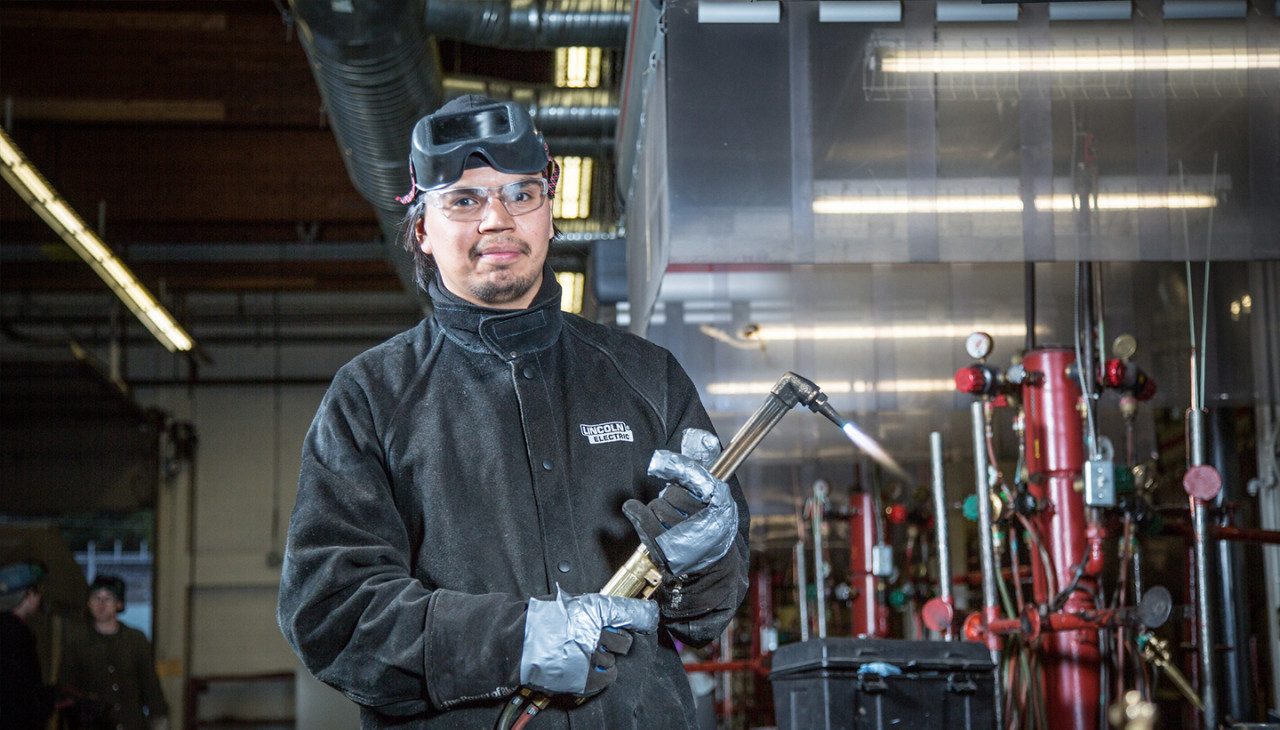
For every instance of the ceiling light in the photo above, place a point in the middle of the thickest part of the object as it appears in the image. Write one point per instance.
(1073, 59)
(879, 332)
(944, 204)
(44, 200)
(578, 67)
(572, 284)
(573, 192)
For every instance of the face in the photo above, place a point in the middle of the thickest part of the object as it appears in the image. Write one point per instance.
(103, 605)
(495, 261)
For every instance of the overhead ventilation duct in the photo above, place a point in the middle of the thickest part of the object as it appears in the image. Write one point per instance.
(378, 70)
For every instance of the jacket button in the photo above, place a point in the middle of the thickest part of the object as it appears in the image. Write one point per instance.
(527, 373)
(564, 566)
(547, 465)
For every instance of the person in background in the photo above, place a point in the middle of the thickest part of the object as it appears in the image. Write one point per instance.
(112, 664)
(469, 486)
(26, 702)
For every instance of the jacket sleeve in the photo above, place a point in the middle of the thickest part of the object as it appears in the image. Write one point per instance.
(695, 609)
(349, 604)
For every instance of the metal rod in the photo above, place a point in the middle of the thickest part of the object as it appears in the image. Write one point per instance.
(802, 588)
(986, 548)
(819, 569)
(1200, 526)
(941, 521)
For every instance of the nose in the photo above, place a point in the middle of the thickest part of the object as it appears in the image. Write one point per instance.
(496, 216)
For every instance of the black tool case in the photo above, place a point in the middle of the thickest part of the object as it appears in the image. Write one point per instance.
(883, 684)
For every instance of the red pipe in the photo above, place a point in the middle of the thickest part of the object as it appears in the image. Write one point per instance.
(1055, 459)
(869, 617)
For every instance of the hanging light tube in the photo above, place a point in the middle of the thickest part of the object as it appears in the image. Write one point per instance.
(44, 200)
(1074, 60)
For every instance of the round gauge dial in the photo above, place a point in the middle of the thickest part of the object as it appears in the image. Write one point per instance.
(978, 345)
(1124, 346)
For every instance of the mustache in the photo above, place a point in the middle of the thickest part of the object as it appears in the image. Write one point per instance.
(484, 245)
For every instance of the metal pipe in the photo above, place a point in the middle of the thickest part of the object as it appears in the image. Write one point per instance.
(1200, 527)
(940, 521)
(986, 548)
(802, 586)
(819, 568)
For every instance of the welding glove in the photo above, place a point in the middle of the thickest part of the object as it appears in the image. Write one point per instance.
(694, 520)
(571, 642)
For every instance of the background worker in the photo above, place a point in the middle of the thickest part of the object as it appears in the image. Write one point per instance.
(26, 702)
(469, 485)
(111, 664)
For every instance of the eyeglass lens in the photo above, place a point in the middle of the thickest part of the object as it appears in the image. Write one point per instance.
(468, 204)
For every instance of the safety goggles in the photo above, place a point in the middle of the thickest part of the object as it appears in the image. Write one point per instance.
(470, 204)
(501, 133)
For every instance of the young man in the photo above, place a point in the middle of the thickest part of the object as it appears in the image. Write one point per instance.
(468, 486)
(25, 700)
(111, 664)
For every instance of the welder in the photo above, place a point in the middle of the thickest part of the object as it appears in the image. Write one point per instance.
(468, 486)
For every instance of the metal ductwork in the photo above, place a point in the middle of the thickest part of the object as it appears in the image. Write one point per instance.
(378, 70)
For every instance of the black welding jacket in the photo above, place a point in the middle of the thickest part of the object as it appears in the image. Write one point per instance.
(462, 467)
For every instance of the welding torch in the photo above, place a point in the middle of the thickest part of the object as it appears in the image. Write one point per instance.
(640, 576)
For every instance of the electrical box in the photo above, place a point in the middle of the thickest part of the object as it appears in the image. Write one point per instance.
(883, 684)
(1100, 483)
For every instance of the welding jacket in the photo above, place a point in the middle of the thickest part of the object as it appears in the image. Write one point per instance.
(464, 466)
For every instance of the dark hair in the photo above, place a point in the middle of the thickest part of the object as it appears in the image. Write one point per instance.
(108, 583)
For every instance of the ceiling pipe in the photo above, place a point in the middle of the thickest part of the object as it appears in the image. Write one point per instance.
(378, 70)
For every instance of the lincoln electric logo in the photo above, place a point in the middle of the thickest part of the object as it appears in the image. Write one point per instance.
(605, 433)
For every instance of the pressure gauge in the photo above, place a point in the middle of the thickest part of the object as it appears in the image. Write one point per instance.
(1124, 346)
(978, 345)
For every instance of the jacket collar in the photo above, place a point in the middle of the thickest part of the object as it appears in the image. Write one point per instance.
(506, 333)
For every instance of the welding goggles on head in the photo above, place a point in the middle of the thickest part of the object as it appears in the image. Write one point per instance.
(501, 134)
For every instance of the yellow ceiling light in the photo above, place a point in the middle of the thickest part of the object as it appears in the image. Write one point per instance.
(1073, 60)
(578, 67)
(573, 193)
(44, 200)
(572, 284)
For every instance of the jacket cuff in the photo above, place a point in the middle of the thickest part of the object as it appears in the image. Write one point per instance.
(472, 646)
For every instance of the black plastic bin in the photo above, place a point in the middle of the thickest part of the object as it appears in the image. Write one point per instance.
(851, 684)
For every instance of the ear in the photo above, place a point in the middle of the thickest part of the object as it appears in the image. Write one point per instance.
(420, 234)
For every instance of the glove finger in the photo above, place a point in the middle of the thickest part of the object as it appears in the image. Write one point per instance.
(614, 641)
(603, 672)
(679, 499)
(636, 614)
(700, 445)
(668, 515)
(691, 475)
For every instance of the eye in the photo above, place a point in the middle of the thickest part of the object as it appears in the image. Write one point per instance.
(461, 200)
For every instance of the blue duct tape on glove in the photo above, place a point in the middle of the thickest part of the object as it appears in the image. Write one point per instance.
(563, 635)
(694, 544)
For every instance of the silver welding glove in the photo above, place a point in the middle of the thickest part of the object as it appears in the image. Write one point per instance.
(694, 520)
(571, 642)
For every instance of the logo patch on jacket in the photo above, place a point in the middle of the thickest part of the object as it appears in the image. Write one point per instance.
(605, 433)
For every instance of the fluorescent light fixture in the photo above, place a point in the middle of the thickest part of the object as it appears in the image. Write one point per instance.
(918, 385)
(735, 11)
(1184, 9)
(44, 200)
(571, 289)
(859, 11)
(880, 332)
(969, 204)
(578, 67)
(975, 11)
(1092, 10)
(1073, 60)
(573, 192)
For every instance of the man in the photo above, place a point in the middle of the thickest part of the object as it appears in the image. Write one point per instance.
(468, 486)
(111, 664)
(25, 700)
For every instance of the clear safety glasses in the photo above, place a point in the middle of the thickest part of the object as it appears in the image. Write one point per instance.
(469, 204)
